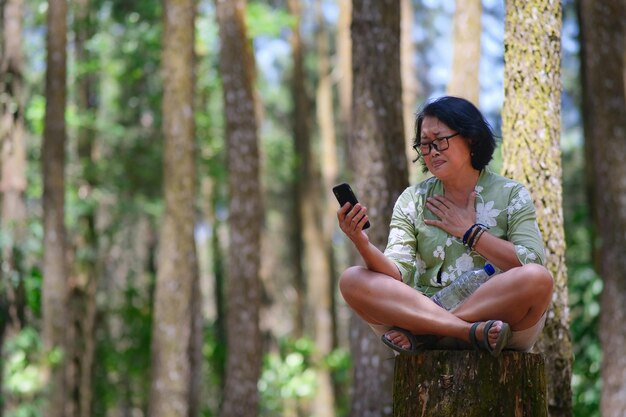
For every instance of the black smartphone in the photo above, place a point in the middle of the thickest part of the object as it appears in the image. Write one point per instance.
(344, 195)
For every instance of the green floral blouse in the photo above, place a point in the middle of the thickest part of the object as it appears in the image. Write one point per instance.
(429, 258)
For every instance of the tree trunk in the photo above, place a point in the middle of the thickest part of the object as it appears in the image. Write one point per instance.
(300, 186)
(379, 165)
(531, 155)
(83, 280)
(344, 68)
(13, 168)
(603, 42)
(54, 297)
(411, 87)
(243, 365)
(174, 320)
(465, 383)
(466, 57)
(12, 178)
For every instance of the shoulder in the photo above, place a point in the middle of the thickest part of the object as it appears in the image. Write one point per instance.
(493, 181)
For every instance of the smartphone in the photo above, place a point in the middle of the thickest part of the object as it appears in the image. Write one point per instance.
(344, 195)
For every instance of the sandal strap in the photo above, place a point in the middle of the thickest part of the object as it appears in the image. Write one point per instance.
(486, 344)
(472, 336)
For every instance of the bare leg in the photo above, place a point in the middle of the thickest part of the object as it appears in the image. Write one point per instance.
(519, 297)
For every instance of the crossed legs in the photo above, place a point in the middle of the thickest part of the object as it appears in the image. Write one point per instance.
(518, 297)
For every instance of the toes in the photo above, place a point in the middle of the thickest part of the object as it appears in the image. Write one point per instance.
(398, 339)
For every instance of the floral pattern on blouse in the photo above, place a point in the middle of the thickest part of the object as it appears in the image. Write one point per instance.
(429, 258)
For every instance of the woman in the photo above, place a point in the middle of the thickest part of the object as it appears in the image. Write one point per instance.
(459, 219)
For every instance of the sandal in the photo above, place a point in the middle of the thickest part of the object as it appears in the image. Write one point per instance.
(418, 342)
(503, 337)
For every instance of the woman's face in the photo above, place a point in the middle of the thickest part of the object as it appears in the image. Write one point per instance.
(450, 162)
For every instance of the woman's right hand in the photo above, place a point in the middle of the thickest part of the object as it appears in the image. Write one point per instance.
(351, 221)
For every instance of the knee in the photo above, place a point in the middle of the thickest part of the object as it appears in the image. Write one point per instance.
(351, 282)
(539, 279)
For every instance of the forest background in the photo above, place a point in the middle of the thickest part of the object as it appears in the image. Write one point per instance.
(115, 157)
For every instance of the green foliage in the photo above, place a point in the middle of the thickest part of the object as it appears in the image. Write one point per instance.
(122, 368)
(288, 380)
(264, 20)
(584, 288)
(26, 365)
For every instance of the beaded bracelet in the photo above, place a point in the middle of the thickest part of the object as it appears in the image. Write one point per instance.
(474, 239)
(471, 231)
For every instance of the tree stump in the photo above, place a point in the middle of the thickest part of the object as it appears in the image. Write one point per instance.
(437, 383)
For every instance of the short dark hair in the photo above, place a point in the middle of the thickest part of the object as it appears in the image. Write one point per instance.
(461, 116)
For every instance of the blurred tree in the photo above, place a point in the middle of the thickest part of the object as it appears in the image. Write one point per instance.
(245, 351)
(53, 171)
(176, 330)
(466, 56)
(343, 68)
(378, 161)
(310, 204)
(411, 87)
(301, 183)
(13, 164)
(603, 66)
(324, 290)
(531, 154)
(83, 279)
(12, 177)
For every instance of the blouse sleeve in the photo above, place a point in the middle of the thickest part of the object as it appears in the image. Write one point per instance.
(523, 230)
(402, 243)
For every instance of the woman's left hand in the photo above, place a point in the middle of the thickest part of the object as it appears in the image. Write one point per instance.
(452, 218)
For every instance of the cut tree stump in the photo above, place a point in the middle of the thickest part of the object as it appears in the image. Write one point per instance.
(462, 383)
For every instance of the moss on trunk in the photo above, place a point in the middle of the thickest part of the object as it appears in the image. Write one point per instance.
(470, 384)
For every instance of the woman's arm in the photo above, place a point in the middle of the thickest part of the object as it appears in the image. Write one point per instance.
(351, 222)
(499, 252)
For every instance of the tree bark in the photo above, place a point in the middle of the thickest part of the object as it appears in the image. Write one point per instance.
(243, 365)
(12, 178)
(531, 155)
(175, 312)
(603, 42)
(379, 164)
(464, 81)
(344, 68)
(300, 189)
(83, 279)
(411, 87)
(465, 383)
(13, 167)
(54, 298)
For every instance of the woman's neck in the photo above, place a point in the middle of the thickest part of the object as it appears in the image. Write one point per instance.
(459, 188)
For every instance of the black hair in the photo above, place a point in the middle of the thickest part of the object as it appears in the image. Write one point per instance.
(461, 116)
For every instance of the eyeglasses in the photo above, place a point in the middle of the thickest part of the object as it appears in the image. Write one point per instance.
(440, 144)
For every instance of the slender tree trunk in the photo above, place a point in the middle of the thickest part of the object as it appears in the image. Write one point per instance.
(243, 365)
(172, 388)
(301, 138)
(466, 57)
(379, 164)
(411, 87)
(12, 177)
(531, 154)
(330, 171)
(12, 163)
(603, 41)
(83, 283)
(54, 298)
(344, 68)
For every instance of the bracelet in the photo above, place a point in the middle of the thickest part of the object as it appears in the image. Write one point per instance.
(474, 239)
(471, 231)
